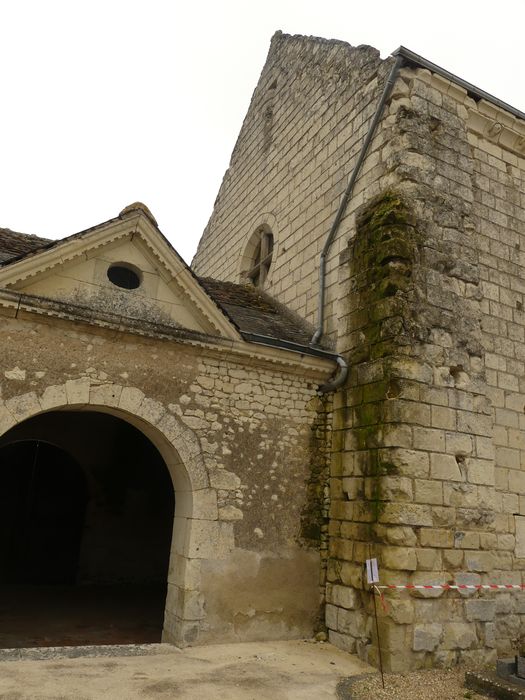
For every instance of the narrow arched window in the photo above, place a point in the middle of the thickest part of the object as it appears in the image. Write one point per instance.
(261, 257)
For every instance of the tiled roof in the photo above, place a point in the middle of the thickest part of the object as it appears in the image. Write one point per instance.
(255, 312)
(14, 245)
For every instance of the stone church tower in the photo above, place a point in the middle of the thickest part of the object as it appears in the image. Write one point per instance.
(410, 182)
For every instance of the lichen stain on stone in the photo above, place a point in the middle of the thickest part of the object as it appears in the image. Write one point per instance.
(133, 305)
(87, 351)
(281, 469)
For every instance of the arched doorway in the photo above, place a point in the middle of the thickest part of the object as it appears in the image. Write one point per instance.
(85, 531)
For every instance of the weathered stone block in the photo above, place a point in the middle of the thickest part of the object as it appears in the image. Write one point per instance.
(480, 610)
(467, 578)
(6, 420)
(402, 558)
(444, 466)
(351, 574)
(452, 558)
(23, 406)
(401, 611)
(105, 395)
(394, 488)
(353, 622)
(519, 523)
(224, 480)
(459, 443)
(342, 510)
(130, 399)
(434, 578)
(342, 549)
(474, 423)
(489, 540)
(466, 540)
(490, 635)
(411, 463)
(444, 659)
(54, 397)
(396, 435)
(331, 616)
(429, 439)
(479, 561)
(209, 539)
(427, 491)
(427, 637)
(151, 411)
(202, 505)
(77, 390)
(480, 471)
(177, 434)
(443, 516)
(400, 536)
(345, 597)
(412, 369)
(508, 626)
(478, 657)
(459, 635)
(428, 559)
(430, 537)
(406, 514)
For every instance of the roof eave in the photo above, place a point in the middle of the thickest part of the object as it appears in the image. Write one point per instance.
(414, 59)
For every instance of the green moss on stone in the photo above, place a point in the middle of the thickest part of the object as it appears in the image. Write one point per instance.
(382, 258)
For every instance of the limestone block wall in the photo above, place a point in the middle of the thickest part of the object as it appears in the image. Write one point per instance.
(498, 149)
(239, 437)
(425, 299)
(435, 386)
(297, 147)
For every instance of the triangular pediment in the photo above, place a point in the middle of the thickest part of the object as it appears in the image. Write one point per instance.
(79, 270)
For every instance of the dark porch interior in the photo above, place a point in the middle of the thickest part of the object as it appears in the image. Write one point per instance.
(86, 515)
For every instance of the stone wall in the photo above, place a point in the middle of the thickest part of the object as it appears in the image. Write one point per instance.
(425, 299)
(238, 435)
(298, 144)
(435, 386)
(498, 151)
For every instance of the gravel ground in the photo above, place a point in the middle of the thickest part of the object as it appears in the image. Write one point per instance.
(432, 685)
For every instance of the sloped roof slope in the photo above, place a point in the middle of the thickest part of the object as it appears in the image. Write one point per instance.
(14, 245)
(256, 313)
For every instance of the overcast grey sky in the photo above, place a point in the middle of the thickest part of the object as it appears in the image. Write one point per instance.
(110, 101)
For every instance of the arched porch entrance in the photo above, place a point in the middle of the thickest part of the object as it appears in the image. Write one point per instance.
(86, 516)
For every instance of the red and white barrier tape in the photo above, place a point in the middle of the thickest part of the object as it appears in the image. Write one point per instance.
(453, 587)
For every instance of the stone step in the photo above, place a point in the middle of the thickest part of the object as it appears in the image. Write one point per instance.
(488, 683)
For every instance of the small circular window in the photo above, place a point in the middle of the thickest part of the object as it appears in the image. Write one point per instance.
(124, 277)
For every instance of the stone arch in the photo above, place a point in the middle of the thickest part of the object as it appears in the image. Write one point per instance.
(196, 529)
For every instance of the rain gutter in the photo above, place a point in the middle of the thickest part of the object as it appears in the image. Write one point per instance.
(342, 367)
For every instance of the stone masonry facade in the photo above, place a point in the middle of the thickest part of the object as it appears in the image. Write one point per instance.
(237, 432)
(425, 301)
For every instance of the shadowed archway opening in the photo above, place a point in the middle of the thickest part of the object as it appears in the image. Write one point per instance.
(86, 517)
(42, 509)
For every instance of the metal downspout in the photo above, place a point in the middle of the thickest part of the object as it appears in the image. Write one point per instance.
(340, 377)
